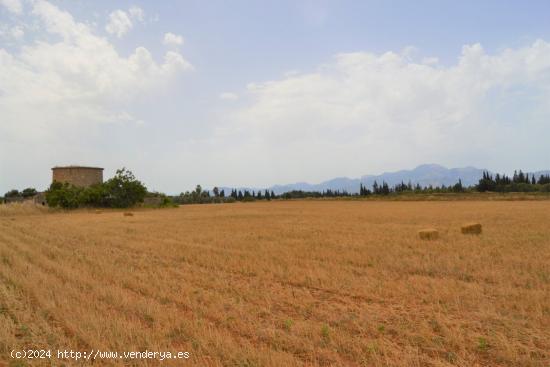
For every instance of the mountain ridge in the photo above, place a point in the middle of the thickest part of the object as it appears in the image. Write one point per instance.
(424, 175)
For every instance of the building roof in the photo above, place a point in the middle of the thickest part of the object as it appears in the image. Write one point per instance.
(81, 167)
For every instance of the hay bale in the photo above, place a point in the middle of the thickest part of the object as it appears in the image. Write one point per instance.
(471, 228)
(98, 212)
(428, 234)
(128, 214)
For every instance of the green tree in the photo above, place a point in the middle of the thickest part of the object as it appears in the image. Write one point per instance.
(12, 193)
(124, 190)
(458, 186)
(375, 188)
(28, 192)
(486, 183)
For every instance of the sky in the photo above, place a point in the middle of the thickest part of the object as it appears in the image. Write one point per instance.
(257, 93)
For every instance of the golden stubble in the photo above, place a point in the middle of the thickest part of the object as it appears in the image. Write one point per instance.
(283, 283)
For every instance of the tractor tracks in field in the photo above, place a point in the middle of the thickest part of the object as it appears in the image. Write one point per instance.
(67, 277)
(322, 294)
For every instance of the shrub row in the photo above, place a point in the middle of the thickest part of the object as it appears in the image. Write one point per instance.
(121, 191)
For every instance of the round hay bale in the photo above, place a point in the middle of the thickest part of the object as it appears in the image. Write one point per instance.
(98, 212)
(428, 234)
(471, 228)
(128, 214)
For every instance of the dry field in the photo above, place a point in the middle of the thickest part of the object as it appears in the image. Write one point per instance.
(316, 283)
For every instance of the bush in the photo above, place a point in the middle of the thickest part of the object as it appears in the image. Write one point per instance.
(64, 195)
(167, 202)
(95, 195)
(158, 200)
(522, 187)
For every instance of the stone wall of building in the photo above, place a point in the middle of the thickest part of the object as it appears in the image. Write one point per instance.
(40, 198)
(78, 176)
(153, 201)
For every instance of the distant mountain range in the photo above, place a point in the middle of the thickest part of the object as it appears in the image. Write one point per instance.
(424, 175)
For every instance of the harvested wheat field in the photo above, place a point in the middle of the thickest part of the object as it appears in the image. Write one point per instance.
(296, 283)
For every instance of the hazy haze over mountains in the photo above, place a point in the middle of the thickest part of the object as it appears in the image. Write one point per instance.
(424, 175)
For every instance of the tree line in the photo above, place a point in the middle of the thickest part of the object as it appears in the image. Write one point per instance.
(24, 194)
(519, 182)
(200, 196)
(124, 190)
(402, 187)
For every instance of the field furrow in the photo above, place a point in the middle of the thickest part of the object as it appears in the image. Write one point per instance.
(313, 283)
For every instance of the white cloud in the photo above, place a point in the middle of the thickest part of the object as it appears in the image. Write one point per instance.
(173, 61)
(171, 39)
(119, 23)
(228, 96)
(14, 6)
(86, 65)
(365, 112)
(430, 60)
(60, 89)
(11, 34)
(137, 13)
(17, 32)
